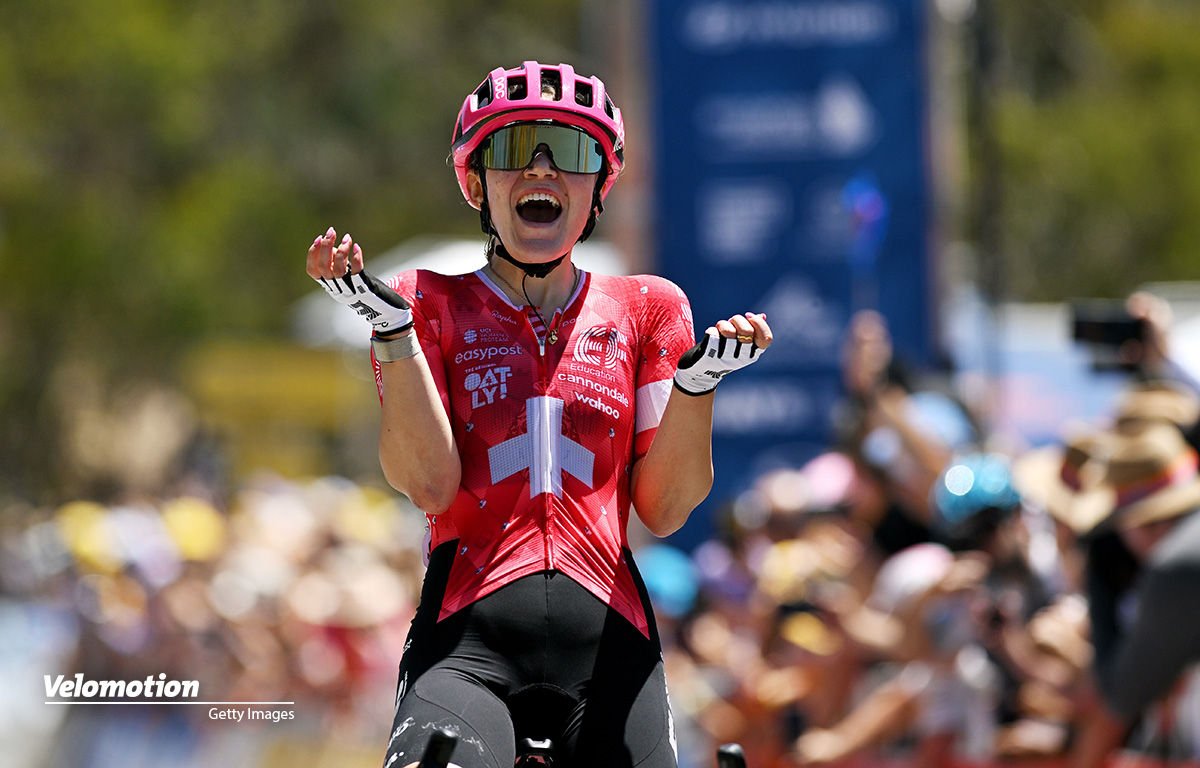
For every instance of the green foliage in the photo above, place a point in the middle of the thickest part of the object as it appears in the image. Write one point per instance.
(1099, 125)
(164, 165)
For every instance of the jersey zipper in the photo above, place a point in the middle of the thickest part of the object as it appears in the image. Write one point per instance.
(550, 440)
(544, 441)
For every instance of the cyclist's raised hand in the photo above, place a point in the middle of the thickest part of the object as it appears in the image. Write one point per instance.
(339, 269)
(726, 346)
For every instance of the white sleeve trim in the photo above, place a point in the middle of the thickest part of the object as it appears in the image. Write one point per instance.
(649, 403)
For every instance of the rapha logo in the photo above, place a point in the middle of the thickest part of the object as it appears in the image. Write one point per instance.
(600, 345)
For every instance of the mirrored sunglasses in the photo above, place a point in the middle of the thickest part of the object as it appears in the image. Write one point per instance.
(570, 149)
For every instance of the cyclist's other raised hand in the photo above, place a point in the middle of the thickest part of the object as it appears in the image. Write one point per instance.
(339, 270)
(750, 327)
(725, 347)
(328, 257)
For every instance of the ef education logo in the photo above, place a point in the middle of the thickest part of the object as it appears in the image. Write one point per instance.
(600, 345)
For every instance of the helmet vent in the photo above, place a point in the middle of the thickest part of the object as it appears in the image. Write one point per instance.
(483, 96)
(608, 107)
(551, 85)
(517, 88)
(583, 93)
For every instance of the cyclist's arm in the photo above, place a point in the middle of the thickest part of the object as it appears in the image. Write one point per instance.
(416, 447)
(676, 474)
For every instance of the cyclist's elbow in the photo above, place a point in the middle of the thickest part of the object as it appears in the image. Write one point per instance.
(662, 527)
(668, 513)
(432, 494)
(432, 503)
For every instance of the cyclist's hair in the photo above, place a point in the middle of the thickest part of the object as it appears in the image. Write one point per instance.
(550, 88)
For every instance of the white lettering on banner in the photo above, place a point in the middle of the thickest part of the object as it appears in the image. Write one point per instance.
(727, 26)
(544, 450)
(738, 219)
(487, 353)
(484, 388)
(845, 120)
(812, 326)
(835, 121)
(770, 408)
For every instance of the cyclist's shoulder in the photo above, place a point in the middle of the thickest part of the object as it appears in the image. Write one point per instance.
(428, 284)
(641, 287)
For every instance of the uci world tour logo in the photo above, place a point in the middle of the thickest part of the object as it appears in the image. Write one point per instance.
(600, 345)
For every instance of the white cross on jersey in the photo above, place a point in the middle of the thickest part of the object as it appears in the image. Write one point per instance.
(544, 450)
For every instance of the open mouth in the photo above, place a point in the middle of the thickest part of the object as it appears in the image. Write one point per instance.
(539, 208)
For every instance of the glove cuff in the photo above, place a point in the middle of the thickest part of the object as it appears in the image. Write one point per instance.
(689, 392)
(689, 384)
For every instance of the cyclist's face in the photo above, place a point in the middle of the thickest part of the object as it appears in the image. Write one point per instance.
(539, 210)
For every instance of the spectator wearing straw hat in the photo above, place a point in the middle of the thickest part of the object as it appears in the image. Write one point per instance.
(1063, 488)
(1152, 476)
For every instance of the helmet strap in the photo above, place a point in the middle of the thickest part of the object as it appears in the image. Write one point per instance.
(597, 206)
(530, 270)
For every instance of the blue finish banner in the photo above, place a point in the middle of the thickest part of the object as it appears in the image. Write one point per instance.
(791, 179)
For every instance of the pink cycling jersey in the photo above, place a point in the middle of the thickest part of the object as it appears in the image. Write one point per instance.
(547, 428)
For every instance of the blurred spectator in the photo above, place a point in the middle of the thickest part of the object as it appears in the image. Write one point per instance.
(1065, 482)
(300, 592)
(1142, 654)
(956, 624)
(905, 437)
(917, 615)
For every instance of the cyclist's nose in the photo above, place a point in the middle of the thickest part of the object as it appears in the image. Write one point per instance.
(541, 164)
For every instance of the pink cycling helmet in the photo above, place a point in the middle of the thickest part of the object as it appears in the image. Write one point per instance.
(513, 95)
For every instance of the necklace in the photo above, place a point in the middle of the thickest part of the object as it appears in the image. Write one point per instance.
(553, 337)
(500, 277)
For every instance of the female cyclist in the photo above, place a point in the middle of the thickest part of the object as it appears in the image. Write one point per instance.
(526, 407)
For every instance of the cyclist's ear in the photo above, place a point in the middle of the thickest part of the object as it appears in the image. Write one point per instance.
(475, 186)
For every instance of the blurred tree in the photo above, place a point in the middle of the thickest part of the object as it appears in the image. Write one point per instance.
(1097, 124)
(165, 164)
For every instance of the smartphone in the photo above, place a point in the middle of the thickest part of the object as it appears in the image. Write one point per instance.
(1112, 335)
(1105, 323)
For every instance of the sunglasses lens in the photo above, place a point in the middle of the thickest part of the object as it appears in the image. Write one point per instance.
(512, 148)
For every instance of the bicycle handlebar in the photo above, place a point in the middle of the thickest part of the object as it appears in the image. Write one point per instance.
(731, 756)
(438, 750)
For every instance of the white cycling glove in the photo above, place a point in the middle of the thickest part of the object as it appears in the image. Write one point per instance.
(703, 366)
(386, 310)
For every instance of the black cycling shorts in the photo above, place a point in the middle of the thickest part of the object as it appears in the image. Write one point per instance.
(539, 658)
